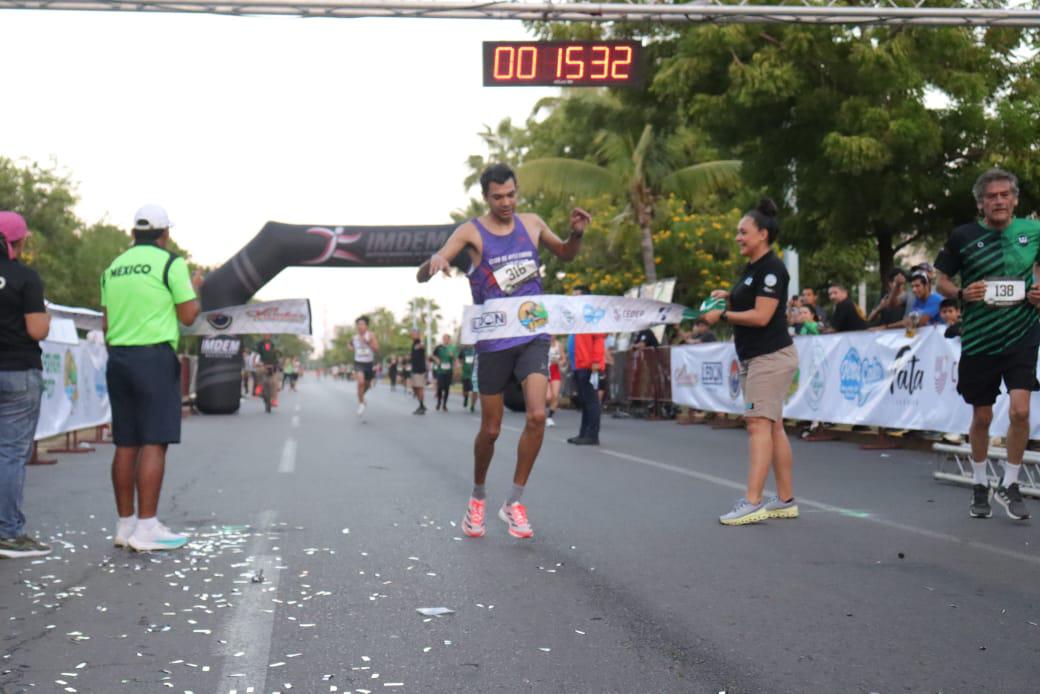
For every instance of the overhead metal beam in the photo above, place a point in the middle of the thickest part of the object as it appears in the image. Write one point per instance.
(704, 11)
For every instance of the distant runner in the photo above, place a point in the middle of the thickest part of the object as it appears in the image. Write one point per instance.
(468, 357)
(503, 247)
(364, 345)
(997, 261)
(444, 358)
(418, 371)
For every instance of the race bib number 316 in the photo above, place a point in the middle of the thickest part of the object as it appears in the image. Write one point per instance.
(510, 277)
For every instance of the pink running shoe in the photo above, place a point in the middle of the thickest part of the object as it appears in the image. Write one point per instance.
(515, 515)
(473, 523)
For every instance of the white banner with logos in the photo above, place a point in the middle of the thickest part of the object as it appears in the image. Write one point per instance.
(288, 316)
(563, 315)
(874, 378)
(75, 393)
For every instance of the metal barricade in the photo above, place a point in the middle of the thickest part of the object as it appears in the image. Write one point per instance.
(953, 464)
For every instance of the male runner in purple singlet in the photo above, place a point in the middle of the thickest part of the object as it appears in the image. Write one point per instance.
(503, 247)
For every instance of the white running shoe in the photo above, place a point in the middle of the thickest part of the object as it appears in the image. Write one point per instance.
(124, 529)
(361, 410)
(549, 422)
(155, 539)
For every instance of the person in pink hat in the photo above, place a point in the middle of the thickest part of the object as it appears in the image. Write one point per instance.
(23, 324)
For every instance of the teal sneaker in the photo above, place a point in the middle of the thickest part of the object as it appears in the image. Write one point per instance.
(744, 513)
(22, 547)
(157, 538)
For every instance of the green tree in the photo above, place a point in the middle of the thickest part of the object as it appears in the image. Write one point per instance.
(862, 132)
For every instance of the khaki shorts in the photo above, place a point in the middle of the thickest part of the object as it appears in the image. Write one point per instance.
(417, 380)
(765, 381)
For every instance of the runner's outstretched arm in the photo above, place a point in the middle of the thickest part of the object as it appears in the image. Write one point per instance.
(463, 236)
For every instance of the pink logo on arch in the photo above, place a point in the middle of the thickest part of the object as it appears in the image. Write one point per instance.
(334, 238)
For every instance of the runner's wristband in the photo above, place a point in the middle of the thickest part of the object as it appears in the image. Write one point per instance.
(960, 295)
(722, 316)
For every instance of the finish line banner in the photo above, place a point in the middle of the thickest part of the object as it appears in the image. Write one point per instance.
(546, 314)
(288, 316)
(881, 379)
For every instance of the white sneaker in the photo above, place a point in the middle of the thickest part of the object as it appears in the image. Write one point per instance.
(124, 529)
(361, 410)
(154, 539)
(549, 422)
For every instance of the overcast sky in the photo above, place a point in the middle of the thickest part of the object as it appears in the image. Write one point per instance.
(231, 122)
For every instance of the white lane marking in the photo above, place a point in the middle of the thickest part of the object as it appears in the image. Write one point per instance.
(249, 629)
(848, 513)
(288, 462)
(297, 408)
(296, 420)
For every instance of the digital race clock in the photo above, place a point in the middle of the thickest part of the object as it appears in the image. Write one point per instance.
(563, 63)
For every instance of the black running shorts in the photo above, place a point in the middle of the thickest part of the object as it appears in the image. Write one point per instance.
(364, 368)
(979, 376)
(495, 368)
(144, 389)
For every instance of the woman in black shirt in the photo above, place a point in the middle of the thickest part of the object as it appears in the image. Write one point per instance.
(23, 324)
(768, 361)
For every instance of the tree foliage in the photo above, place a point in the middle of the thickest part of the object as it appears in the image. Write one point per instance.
(865, 133)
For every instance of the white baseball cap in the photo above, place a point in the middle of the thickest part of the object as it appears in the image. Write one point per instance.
(151, 218)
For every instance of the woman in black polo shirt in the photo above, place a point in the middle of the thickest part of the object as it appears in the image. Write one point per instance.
(768, 361)
(23, 323)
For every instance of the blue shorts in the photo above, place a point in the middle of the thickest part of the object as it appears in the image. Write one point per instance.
(144, 388)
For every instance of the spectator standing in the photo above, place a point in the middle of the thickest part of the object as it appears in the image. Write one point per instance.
(811, 301)
(804, 323)
(144, 292)
(391, 371)
(924, 310)
(24, 322)
(892, 307)
(700, 334)
(950, 313)
(589, 361)
(847, 315)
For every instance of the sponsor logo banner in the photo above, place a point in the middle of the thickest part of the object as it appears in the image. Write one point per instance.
(873, 378)
(560, 315)
(75, 392)
(288, 316)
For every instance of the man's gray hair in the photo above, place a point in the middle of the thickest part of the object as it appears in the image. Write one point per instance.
(979, 189)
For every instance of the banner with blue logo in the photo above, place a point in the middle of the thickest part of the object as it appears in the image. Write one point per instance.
(75, 392)
(552, 314)
(874, 378)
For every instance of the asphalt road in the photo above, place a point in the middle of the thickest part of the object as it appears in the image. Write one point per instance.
(629, 585)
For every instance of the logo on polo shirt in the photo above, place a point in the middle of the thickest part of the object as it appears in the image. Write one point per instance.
(139, 269)
(1023, 240)
(770, 280)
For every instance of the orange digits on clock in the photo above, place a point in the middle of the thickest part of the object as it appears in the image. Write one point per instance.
(559, 63)
(619, 62)
(603, 62)
(507, 73)
(531, 53)
(579, 63)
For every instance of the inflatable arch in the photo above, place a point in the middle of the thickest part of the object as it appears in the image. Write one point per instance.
(279, 246)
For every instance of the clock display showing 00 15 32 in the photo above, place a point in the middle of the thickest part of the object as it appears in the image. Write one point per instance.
(563, 63)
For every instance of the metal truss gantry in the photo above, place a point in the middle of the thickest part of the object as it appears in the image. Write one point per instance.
(700, 11)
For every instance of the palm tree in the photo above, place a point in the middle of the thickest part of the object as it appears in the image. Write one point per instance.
(631, 170)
